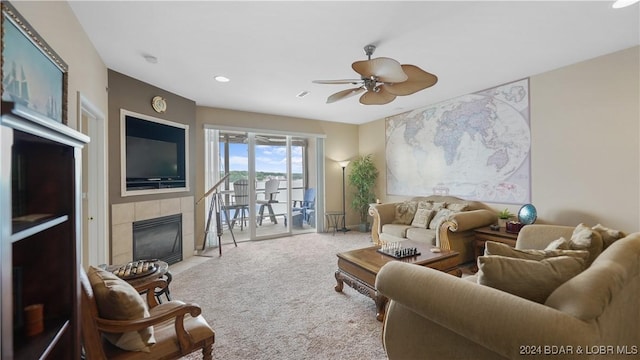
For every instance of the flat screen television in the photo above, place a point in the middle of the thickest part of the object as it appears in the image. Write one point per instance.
(154, 153)
(150, 159)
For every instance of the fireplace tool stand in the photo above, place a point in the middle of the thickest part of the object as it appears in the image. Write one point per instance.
(216, 206)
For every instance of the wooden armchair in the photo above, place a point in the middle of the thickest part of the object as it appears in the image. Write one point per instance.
(178, 327)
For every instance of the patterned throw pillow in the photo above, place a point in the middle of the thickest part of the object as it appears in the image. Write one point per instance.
(405, 212)
(118, 300)
(422, 218)
(425, 204)
(431, 205)
(457, 207)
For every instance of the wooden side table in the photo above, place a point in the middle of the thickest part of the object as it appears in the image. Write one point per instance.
(485, 234)
(162, 271)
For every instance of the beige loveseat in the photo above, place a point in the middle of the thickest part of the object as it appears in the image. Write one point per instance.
(456, 232)
(593, 315)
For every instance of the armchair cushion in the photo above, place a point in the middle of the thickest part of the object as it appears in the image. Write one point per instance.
(529, 279)
(422, 218)
(118, 300)
(495, 248)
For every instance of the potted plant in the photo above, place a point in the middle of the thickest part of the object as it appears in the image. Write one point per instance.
(362, 178)
(503, 216)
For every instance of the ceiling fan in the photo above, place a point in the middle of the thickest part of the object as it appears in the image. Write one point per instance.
(381, 80)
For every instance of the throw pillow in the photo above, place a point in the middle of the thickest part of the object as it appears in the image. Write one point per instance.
(422, 218)
(439, 217)
(529, 279)
(425, 204)
(439, 205)
(405, 212)
(558, 244)
(584, 238)
(500, 249)
(118, 300)
(457, 207)
(431, 205)
(609, 236)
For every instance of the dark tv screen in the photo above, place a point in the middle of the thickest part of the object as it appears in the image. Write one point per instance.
(154, 151)
(151, 159)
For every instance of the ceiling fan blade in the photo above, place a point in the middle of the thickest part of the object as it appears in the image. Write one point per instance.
(341, 81)
(344, 94)
(418, 80)
(384, 69)
(377, 98)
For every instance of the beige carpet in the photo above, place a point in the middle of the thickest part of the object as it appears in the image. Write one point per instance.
(275, 299)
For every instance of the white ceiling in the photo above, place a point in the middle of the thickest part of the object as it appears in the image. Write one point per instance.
(272, 51)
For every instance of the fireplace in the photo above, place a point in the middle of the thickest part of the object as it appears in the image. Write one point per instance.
(158, 238)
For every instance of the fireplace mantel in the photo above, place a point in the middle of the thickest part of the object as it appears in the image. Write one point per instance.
(123, 216)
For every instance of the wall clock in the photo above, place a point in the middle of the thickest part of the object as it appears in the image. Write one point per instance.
(159, 104)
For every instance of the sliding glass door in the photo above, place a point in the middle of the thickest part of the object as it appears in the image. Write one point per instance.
(271, 164)
(264, 194)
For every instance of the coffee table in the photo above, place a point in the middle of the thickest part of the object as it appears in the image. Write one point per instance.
(359, 268)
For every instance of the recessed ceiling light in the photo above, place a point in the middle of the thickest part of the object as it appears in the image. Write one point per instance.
(150, 59)
(221, 78)
(623, 3)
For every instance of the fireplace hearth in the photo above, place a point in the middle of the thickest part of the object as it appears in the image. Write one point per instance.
(158, 238)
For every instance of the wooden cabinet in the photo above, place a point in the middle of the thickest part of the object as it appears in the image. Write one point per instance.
(485, 234)
(40, 233)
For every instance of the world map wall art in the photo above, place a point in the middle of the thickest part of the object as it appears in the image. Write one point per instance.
(475, 146)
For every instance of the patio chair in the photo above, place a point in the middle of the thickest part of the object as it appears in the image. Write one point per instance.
(240, 203)
(306, 206)
(270, 195)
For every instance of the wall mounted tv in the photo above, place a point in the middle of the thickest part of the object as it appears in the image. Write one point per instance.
(154, 154)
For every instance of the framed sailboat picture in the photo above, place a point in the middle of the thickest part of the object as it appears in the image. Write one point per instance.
(33, 75)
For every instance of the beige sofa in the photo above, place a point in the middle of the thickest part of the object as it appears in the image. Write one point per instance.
(455, 233)
(593, 315)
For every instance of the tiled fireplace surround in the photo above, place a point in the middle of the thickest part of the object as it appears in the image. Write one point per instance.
(123, 216)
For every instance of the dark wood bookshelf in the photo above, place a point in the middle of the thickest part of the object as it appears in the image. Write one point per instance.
(40, 228)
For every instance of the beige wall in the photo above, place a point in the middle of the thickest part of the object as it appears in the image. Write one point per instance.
(586, 148)
(57, 24)
(585, 151)
(584, 121)
(134, 95)
(341, 144)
